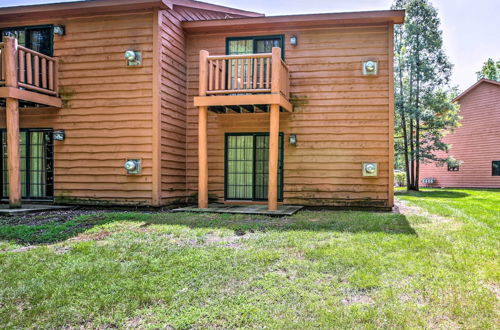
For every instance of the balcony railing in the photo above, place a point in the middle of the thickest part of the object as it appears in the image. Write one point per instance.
(27, 69)
(244, 74)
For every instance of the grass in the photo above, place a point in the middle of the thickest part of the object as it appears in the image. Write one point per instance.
(434, 267)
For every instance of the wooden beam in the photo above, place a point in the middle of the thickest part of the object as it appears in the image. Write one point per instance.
(294, 22)
(274, 127)
(390, 56)
(14, 157)
(203, 134)
(24, 95)
(227, 100)
(12, 123)
(202, 158)
(156, 193)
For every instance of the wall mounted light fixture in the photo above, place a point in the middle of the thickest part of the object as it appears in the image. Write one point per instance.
(133, 166)
(59, 135)
(370, 68)
(293, 40)
(370, 169)
(60, 30)
(133, 57)
(293, 139)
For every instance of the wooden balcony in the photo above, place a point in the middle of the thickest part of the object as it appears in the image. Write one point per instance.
(27, 75)
(243, 83)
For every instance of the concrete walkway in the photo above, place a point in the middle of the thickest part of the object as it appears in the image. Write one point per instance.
(29, 208)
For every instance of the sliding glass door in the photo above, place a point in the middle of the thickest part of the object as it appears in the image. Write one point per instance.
(247, 166)
(37, 164)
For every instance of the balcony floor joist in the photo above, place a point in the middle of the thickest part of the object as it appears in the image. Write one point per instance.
(243, 101)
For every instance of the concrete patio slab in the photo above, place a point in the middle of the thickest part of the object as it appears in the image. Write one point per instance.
(261, 209)
(29, 208)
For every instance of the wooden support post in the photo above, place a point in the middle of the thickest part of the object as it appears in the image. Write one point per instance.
(274, 128)
(203, 135)
(12, 124)
(202, 158)
(14, 168)
(276, 70)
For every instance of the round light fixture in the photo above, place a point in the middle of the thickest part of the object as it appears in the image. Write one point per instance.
(370, 168)
(130, 55)
(130, 165)
(370, 66)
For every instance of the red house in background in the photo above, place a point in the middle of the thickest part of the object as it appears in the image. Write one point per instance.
(476, 144)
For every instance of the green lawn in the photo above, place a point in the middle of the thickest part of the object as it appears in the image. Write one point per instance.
(436, 266)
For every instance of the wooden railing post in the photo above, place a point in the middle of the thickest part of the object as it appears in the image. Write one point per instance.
(12, 123)
(276, 70)
(203, 135)
(10, 57)
(203, 85)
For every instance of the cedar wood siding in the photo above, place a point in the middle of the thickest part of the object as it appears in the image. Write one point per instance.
(476, 143)
(173, 94)
(341, 117)
(107, 116)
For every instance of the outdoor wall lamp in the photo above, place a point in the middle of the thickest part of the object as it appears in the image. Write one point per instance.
(59, 135)
(370, 68)
(133, 57)
(370, 169)
(293, 40)
(133, 166)
(59, 30)
(293, 139)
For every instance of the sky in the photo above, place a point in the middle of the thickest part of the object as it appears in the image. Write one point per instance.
(471, 29)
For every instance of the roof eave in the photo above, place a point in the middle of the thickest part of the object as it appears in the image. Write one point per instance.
(212, 7)
(65, 9)
(296, 21)
(471, 88)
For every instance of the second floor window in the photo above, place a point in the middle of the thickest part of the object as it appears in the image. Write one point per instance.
(254, 45)
(495, 168)
(37, 38)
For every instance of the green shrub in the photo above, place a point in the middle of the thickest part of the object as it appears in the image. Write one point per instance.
(399, 178)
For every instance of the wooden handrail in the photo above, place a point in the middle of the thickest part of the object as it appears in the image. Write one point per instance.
(243, 74)
(25, 68)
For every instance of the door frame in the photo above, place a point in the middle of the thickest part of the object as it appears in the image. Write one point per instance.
(281, 165)
(50, 197)
(255, 38)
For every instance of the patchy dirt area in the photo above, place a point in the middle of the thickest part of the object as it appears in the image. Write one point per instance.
(405, 208)
(62, 216)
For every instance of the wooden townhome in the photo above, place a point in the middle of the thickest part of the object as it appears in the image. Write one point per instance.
(158, 102)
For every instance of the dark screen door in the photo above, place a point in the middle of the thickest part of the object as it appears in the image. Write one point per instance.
(247, 166)
(37, 164)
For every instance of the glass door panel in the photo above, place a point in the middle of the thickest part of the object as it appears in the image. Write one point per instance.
(247, 166)
(37, 174)
(239, 162)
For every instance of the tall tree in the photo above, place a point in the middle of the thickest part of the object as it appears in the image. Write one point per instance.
(490, 70)
(422, 93)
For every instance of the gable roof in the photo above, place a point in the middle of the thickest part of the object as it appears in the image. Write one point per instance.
(296, 21)
(471, 88)
(63, 9)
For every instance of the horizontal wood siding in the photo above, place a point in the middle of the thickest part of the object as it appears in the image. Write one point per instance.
(107, 112)
(173, 105)
(476, 143)
(174, 99)
(341, 117)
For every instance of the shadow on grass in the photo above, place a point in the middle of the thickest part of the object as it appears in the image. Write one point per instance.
(335, 221)
(433, 193)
